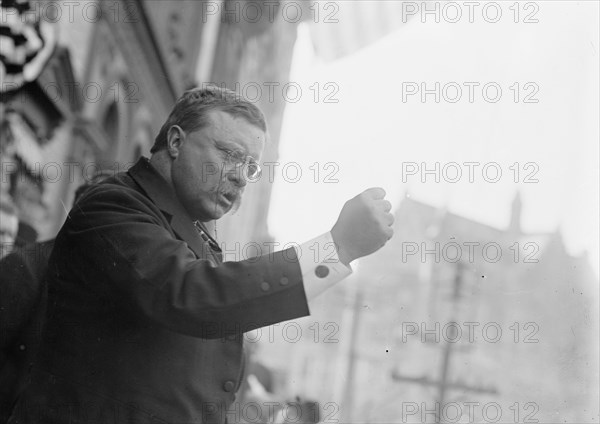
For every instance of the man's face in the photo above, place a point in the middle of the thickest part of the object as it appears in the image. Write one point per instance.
(9, 225)
(206, 184)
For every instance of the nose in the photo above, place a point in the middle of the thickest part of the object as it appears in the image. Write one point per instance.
(236, 175)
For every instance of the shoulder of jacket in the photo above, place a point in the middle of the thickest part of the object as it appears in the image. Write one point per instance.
(117, 196)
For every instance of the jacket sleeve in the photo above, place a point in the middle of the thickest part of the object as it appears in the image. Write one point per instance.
(124, 248)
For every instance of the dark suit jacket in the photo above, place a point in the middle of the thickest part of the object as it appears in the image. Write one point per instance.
(145, 321)
(23, 296)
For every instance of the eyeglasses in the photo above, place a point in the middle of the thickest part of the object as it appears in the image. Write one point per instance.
(247, 164)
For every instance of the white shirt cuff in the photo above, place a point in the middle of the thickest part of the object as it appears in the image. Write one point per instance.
(319, 261)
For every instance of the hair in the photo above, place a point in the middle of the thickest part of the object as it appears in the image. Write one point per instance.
(192, 108)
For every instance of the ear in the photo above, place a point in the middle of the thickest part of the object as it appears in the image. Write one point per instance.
(175, 140)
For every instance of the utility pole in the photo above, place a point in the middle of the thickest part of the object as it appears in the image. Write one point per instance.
(348, 396)
(443, 385)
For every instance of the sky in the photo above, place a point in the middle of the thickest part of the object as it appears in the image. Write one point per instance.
(377, 134)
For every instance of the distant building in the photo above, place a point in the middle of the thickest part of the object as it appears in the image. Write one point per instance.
(501, 318)
(511, 314)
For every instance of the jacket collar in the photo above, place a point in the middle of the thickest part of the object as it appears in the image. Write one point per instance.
(161, 194)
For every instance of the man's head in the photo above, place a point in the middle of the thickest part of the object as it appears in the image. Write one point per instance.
(9, 225)
(211, 139)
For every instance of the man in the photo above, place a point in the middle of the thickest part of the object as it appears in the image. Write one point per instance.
(27, 192)
(9, 224)
(23, 298)
(146, 320)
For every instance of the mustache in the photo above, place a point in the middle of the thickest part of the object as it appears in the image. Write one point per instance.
(234, 195)
(229, 193)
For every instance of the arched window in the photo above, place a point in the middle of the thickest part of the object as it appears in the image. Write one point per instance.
(110, 123)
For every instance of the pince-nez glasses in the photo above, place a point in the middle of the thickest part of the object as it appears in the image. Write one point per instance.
(247, 165)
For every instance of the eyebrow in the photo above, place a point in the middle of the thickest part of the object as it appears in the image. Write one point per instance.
(229, 145)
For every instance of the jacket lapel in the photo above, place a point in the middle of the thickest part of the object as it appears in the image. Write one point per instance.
(158, 190)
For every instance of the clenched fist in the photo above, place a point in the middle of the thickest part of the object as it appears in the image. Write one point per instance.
(364, 225)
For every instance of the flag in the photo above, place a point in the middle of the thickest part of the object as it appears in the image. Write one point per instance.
(26, 44)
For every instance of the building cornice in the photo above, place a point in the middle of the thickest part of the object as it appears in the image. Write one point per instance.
(138, 45)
